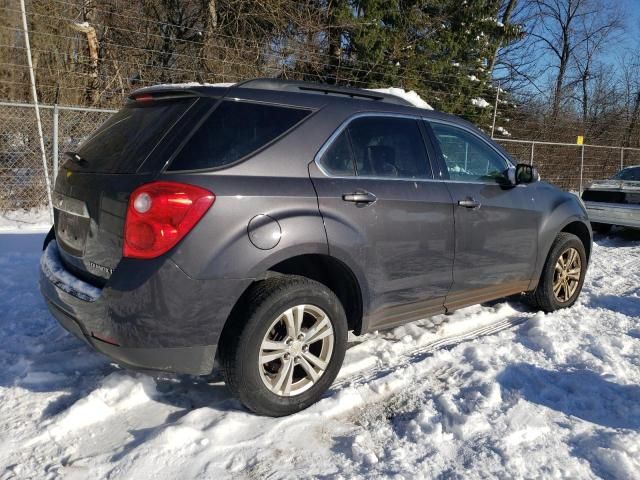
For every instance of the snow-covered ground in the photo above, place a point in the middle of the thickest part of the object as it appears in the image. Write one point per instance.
(21, 221)
(490, 391)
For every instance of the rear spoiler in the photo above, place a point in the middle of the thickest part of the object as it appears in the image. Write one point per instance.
(176, 91)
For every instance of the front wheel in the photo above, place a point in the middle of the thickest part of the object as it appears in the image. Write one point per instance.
(286, 345)
(563, 274)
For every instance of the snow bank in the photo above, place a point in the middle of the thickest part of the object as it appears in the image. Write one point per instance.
(25, 220)
(411, 96)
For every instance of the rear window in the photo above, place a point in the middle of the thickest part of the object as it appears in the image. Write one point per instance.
(124, 141)
(233, 131)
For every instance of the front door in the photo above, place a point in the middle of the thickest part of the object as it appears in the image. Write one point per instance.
(386, 217)
(496, 223)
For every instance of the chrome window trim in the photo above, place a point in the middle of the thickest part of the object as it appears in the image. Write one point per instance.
(329, 142)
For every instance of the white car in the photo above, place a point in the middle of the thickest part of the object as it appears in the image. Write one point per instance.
(615, 201)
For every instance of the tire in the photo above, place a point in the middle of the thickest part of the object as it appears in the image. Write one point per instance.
(262, 318)
(543, 297)
(603, 228)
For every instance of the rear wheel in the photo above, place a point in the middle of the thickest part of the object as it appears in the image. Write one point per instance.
(563, 274)
(601, 227)
(286, 345)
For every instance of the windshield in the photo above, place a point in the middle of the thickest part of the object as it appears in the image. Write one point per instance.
(631, 173)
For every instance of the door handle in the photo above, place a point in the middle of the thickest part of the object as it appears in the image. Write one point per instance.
(359, 197)
(469, 203)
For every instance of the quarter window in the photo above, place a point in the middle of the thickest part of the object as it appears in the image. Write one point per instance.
(377, 146)
(233, 131)
(467, 157)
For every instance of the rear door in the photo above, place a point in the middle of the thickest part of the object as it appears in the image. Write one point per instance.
(386, 216)
(496, 224)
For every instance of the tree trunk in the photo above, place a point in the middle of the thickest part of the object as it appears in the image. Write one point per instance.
(334, 33)
(562, 70)
(92, 42)
(506, 16)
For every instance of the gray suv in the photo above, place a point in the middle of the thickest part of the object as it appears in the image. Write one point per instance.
(249, 228)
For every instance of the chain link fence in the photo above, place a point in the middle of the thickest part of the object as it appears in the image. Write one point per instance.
(22, 179)
(570, 166)
(23, 184)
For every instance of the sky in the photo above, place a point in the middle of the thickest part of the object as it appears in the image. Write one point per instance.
(631, 39)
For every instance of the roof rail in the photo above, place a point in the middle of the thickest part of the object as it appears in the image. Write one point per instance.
(318, 88)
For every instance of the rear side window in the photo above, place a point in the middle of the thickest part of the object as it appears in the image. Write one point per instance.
(125, 140)
(233, 131)
(377, 146)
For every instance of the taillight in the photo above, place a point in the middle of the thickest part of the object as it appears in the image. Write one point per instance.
(160, 214)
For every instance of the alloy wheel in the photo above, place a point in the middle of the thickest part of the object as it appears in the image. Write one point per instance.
(566, 277)
(296, 350)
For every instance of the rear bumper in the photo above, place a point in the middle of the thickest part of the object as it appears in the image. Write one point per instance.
(149, 316)
(614, 214)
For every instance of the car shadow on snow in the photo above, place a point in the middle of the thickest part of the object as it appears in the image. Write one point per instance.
(577, 393)
(625, 304)
(615, 235)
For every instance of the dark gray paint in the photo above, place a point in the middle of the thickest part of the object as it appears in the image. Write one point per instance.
(414, 251)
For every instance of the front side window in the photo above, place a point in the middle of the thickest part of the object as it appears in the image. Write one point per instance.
(233, 131)
(378, 146)
(467, 157)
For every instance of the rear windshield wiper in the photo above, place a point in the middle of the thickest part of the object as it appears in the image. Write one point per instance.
(75, 157)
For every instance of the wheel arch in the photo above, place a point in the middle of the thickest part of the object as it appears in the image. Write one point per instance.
(323, 268)
(576, 224)
(582, 231)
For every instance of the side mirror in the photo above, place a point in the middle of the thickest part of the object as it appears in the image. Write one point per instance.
(525, 173)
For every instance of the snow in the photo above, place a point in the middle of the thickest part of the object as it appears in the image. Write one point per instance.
(411, 96)
(503, 131)
(480, 102)
(28, 220)
(58, 274)
(195, 84)
(492, 391)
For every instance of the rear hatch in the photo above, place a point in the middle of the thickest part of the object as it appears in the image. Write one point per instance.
(93, 187)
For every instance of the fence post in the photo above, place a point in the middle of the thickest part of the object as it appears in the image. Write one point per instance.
(34, 93)
(581, 168)
(55, 143)
(495, 110)
(533, 146)
(621, 158)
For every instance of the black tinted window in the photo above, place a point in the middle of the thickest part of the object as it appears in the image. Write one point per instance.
(338, 159)
(123, 142)
(388, 147)
(467, 157)
(234, 130)
(631, 174)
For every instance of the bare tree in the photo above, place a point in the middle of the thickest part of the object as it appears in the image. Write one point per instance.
(567, 30)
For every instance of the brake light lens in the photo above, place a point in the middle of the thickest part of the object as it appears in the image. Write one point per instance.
(160, 214)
